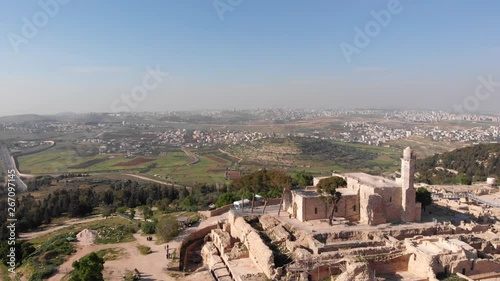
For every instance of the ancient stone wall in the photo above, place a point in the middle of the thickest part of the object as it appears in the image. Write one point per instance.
(314, 208)
(391, 203)
(258, 251)
(391, 266)
(189, 239)
(222, 240)
(260, 254)
(348, 208)
(422, 265)
(472, 267)
(322, 272)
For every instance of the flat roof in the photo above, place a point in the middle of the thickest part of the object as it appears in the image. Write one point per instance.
(308, 193)
(375, 181)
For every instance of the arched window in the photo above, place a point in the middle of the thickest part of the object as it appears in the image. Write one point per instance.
(390, 199)
(354, 208)
(315, 211)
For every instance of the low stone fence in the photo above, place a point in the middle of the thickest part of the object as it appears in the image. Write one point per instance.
(216, 212)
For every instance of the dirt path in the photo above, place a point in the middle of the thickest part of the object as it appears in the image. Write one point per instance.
(32, 235)
(82, 251)
(153, 267)
(156, 181)
(194, 158)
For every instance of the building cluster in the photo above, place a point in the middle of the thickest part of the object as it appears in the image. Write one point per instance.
(376, 134)
(179, 129)
(412, 116)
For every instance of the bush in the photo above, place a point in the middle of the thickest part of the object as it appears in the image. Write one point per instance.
(121, 210)
(145, 250)
(88, 268)
(43, 274)
(193, 220)
(148, 227)
(167, 228)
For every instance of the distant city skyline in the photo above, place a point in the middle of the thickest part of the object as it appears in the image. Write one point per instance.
(83, 56)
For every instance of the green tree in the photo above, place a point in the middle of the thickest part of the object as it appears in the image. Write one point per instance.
(147, 211)
(167, 228)
(106, 211)
(302, 179)
(268, 184)
(464, 179)
(327, 188)
(424, 196)
(225, 199)
(88, 268)
(189, 204)
(132, 213)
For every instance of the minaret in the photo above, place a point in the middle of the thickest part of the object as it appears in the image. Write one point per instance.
(408, 189)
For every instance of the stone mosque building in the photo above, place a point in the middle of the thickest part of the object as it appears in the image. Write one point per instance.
(367, 199)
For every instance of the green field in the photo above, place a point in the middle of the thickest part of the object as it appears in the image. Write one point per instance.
(317, 157)
(114, 223)
(66, 158)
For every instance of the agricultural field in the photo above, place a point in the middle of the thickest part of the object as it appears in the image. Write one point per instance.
(319, 157)
(294, 154)
(426, 147)
(67, 157)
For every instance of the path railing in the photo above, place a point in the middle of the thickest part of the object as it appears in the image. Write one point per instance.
(466, 195)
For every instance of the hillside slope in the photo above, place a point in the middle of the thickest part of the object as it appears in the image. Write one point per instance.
(473, 163)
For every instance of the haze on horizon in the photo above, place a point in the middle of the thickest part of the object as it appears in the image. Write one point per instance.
(258, 54)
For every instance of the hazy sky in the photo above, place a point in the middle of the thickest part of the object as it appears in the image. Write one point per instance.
(83, 55)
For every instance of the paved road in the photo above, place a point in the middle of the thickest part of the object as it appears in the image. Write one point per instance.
(9, 164)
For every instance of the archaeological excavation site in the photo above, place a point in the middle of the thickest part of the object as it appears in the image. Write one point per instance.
(378, 232)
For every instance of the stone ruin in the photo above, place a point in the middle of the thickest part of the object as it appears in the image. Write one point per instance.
(86, 237)
(265, 247)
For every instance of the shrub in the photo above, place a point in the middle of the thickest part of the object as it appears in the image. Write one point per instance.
(148, 227)
(167, 228)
